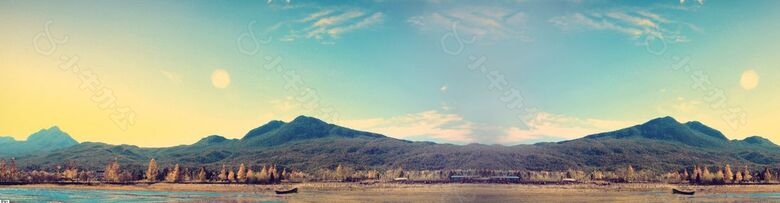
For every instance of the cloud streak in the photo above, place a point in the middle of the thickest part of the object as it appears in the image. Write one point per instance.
(554, 127)
(329, 24)
(434, 125)
(486, 23)
(441, 126)
(631, 22)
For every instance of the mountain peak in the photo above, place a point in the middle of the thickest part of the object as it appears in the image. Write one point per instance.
(698, 126)
(667, 120)
(300, 128)
(42, 141)
(211, 139)
(268, 127)
(669, 129)
(307, 120)
(53, 135)
(758, 140)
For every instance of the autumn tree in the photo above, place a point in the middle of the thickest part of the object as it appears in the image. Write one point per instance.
(630, 173)
(746, 176)
(202, 174)
(738, 177)
(595, 175)
(342, 173)
(71, 174)
(187, 175)
(285, 174)
(766, 176)
(728, 176)
(151, 172)
(371, 174)
(263, 176)
(297, 176)
(3, 176)
(8, 171)
(112, 173)
(241, 174)
(718, 178)
(250, 175)
(174, 175)
(223, 174)
(11, 170)
(273, 174)
(697, 173)
(231, 176)
(706, 176)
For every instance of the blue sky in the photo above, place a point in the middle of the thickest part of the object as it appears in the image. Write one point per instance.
(584, 65)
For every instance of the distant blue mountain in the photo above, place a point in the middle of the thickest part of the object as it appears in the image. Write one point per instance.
(301, 128)
(758, 141)
(691, 133)
(43, 141)
(310, 144)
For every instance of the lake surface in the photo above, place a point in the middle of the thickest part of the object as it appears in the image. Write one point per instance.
(83, 195)
(402, 195)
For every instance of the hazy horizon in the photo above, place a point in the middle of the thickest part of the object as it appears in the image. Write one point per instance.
(288, 121)
(553, 70)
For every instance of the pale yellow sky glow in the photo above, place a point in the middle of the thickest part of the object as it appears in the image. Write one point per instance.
(193, 69)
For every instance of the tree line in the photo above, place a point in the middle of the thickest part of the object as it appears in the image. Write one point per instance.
(722, 175)
(274, 174)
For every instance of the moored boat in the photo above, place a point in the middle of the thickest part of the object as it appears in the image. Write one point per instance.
(675, 191)
(294, 190)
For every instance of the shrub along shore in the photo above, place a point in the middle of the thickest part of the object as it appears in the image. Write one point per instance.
(272, 174)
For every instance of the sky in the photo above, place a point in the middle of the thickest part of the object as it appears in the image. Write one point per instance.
(502, 72)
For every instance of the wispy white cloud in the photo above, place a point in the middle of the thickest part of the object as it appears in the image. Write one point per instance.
(553, 127)
(434, 125)
(486, 23)
(316, 15)
(329, 24)
(701, 2)
(580, 21)
(364, 23)
(443, 126)
(444, 89)
(337, 19)
(680, 105)
(286, 104)
(632, 22)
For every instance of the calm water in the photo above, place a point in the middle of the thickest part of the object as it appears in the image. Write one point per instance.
(77, 195)
(81, 195)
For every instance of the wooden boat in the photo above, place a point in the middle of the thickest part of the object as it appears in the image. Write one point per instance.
(294, 190)
(675, 191)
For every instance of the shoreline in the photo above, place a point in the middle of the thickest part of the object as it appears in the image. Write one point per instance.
(326, 187)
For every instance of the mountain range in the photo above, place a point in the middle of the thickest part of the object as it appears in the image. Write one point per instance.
(43, 141)
(310, 144)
